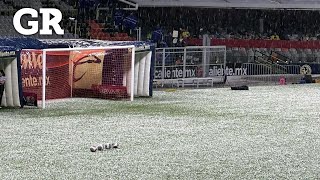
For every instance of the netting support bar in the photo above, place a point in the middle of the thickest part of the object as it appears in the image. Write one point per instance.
(132, 73)
(44, 60)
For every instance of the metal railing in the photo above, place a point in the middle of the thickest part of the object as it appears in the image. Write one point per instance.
(209, 65)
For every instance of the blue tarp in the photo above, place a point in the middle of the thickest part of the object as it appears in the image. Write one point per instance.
(16, 44)
(118, 16)
(130, 21)
(13, 44)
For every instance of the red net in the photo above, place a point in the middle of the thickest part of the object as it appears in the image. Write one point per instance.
(85, 73)
(57, 74)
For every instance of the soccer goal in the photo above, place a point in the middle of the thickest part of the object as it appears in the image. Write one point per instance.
(191, 65)
(113, 72)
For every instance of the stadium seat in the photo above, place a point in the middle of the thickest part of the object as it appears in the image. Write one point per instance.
(309, 54)
(250, 55)
(286, 54)
(302, 55)
(317, 55)
(294, 54)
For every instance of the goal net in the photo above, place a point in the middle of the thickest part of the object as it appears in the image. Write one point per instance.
(102, 72)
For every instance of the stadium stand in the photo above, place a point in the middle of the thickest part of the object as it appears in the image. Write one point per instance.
(241, 30)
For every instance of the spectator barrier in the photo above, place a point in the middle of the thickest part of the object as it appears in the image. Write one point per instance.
(208, 65)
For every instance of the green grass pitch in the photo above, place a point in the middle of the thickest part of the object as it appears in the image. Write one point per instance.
(270, 132)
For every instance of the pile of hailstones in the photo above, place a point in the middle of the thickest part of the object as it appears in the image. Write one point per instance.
(102, 147)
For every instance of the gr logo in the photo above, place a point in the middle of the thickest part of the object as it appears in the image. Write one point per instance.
(34, 25)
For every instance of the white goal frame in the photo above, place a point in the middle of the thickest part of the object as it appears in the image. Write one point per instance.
(44, 60)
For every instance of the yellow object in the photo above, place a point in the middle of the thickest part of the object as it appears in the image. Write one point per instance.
(170, 90)
(275, 37)
(185, 34)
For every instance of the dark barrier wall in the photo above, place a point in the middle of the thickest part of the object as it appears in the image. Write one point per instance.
(315, 68)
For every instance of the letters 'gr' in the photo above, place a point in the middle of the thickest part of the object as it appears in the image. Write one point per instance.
(34, 25)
